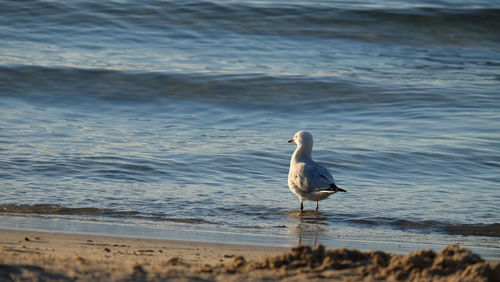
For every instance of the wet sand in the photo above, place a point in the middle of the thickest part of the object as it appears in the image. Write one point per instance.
(42, 256)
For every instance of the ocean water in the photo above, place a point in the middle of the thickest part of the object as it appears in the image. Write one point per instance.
(170, 119)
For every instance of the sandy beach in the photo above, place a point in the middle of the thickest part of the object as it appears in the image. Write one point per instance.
(42, 256)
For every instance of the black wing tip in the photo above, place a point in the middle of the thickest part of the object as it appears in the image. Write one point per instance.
(338, 189)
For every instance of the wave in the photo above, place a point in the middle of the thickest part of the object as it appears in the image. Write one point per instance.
(434, 24)
(52, 209)
(490, 230)
(432, 226)
(60, 210)
(56, 85)
(93, 167)
(308, 217)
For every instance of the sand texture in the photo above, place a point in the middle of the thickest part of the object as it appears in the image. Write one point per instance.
(38, 256)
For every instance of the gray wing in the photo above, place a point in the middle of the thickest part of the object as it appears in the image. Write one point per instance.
(311, 177)
(325, 174)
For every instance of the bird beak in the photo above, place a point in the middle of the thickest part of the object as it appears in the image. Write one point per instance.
(291, 140)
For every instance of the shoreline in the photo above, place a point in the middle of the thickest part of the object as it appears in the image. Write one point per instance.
(50, 256)
(393, 241)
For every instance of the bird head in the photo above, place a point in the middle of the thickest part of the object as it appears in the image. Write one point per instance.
(302, 138)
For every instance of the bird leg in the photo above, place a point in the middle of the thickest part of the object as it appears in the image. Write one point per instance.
(317, 205)
(301, 206)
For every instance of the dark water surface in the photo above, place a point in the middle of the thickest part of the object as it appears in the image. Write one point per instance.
(157, 115)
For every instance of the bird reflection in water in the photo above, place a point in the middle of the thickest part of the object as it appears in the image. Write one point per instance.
(311, 227)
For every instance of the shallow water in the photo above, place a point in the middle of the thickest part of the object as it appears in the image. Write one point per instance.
(176, 116)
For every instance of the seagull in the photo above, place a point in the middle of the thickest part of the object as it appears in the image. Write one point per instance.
(306, 178)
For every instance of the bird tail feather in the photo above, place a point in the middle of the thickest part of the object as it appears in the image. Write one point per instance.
(336, 188)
